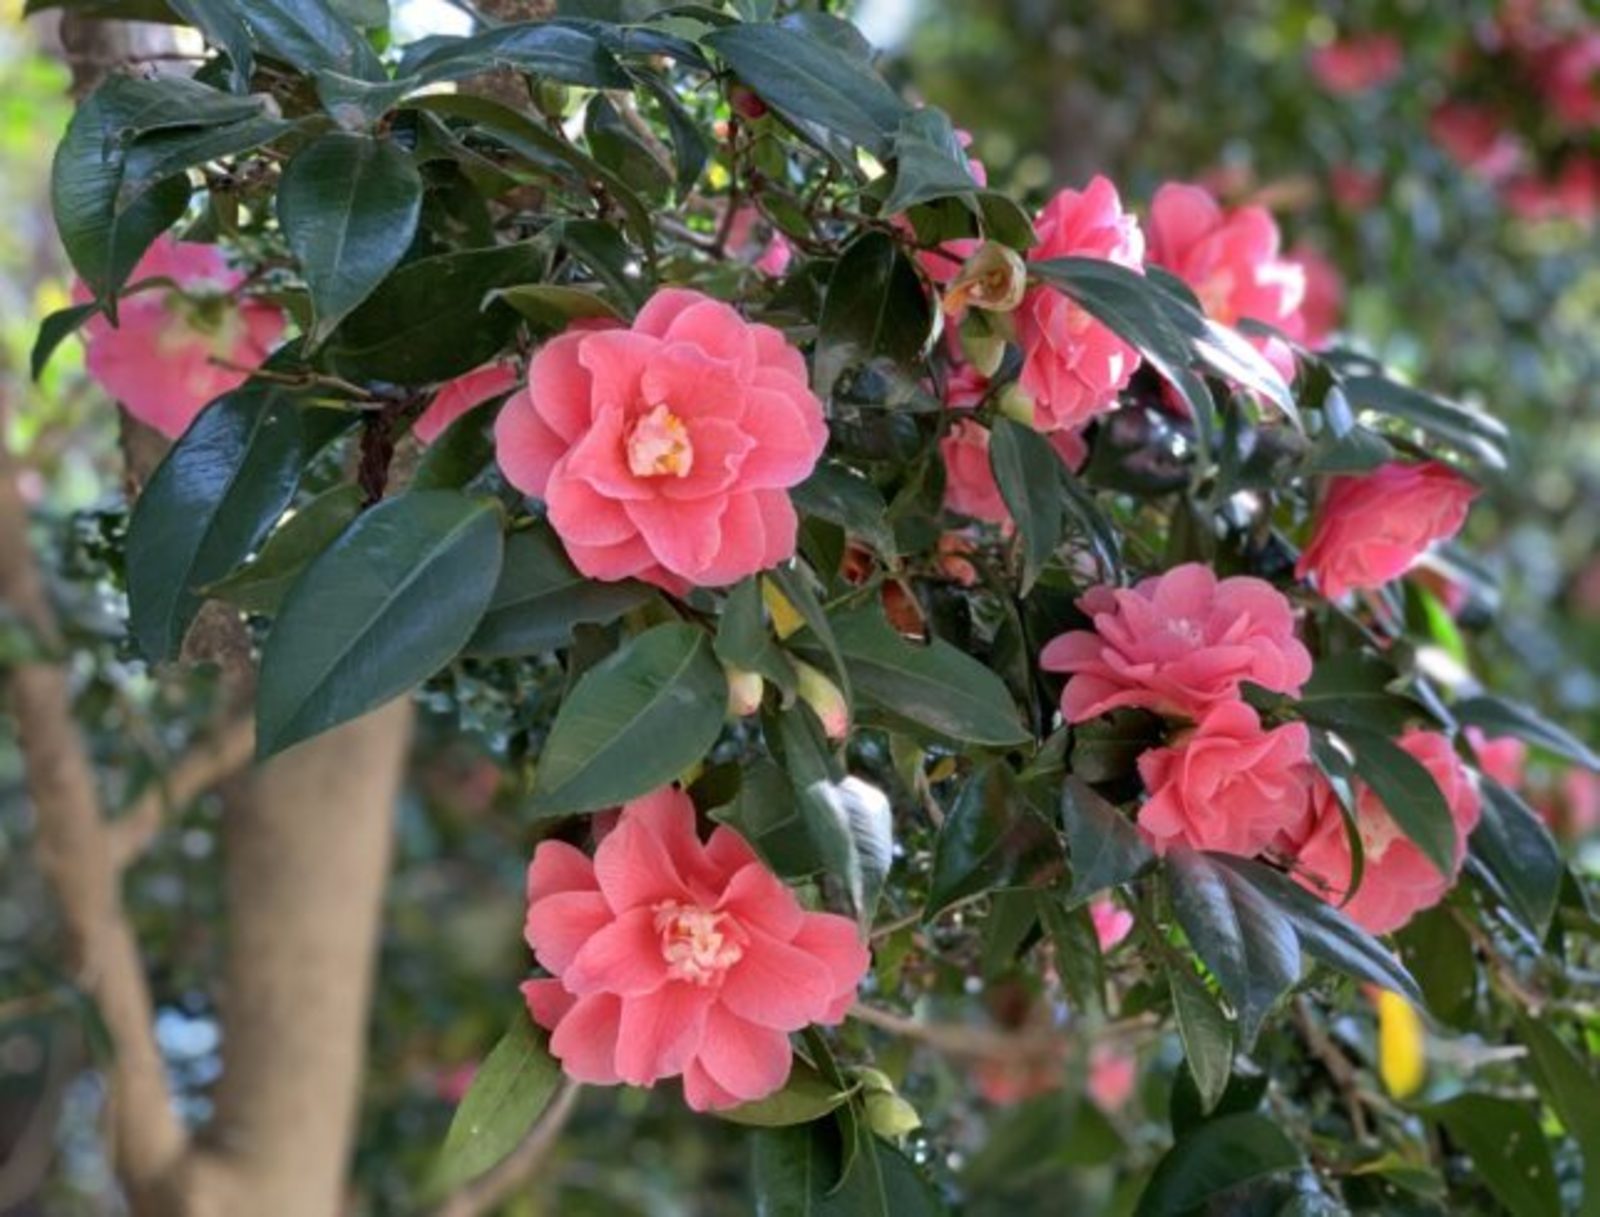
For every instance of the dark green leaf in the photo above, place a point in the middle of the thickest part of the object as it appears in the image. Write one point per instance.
(1356, 689)
(1324, 932)
(1213, 1158)
(261, 586)
(379, 611)
(1497, 716)
(929, 163)
(208, 504)
(1104, 845)
(541, 597)
(805, 1097)
(797, 1170)
(223, 27)
(428, 322)
(839, 494)
(1572, 1090)
(875, 306)
(55, 329)
(1078, 957)
(1436, 950)
(348, 206)
(1248, 944)
(359, 104)
(1519, 851)
(1508, 1148)
(1408, 792)
(794, 585)
(635, 721)
(744, 640)
(992, 838)
(510, 1090)
(811, 83)
(552, 306)
(1475, 434)
(547, 49)
(934, 687)
(311, 35)
(1029, 475)
(1207, 1035)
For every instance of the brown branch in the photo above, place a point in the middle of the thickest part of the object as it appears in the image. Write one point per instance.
(516, 1170)
(74, 854)
(1337, 1064)
(216, 757)
(983, 1043)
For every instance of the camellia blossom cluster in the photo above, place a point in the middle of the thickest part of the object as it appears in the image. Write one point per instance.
(669, 956)
(179, 345)
(1183, 644)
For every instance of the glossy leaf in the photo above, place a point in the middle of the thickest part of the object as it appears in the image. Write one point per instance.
(1498, 716)
(261, 586)
(209, 503)
(796, 1172)
(1507, 1147)
(1028, 473)
(547, 49)
(510, 1090)
(1105, 846)
(805, 1097)
(1408, 793)
(634, 722)
(1213, 1158)
(379, 611)
(1206, 1033)
(1571, 1088)
(1519, 851)
(311, 35)
(348, 206)
(541, 597)
(991, 838)
(875, 306)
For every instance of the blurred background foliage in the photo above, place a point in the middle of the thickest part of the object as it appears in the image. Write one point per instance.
(1441, 279)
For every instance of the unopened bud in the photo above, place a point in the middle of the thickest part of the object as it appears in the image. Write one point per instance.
(824, 698)
(745, 103)
(994, 278)
(983, 344)
(744, 691)
(786, 619)
(1016, 405)
(888, 1114)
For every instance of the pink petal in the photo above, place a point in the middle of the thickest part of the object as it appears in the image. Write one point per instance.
(720, 452)
(616, 360)
(743, 543)
(684, 536)
(630, 559)
(694, 383)
(559, 867)
(662, 309)
(557, 927)
(547, 1001)
(600, 458)
(718, 330)
(836, 942)
(462, 394)
(660, 1031)
(776, 985)
(526, 449)
(559, 387)
(585, 1041)
(774, 351)
(623, 957)
(669, 815)
(703, 1094)
(635, 870)
(579, 513)
(759, 898)
(780, 525)
(747, 1061)
(789, 438)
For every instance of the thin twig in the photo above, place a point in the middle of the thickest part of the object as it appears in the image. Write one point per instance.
(983, 1043)
(1337, 1064)
(217, 756)
(491, 1189)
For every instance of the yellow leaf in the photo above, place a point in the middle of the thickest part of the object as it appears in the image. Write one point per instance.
(1402, 1054)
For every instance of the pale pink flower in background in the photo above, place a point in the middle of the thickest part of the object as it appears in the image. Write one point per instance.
(665, 451)
(753, 239)
(1476, 138)
(1232, 262)
(462, 394)
(1178, 643)
(1502, 758)
(1371, 528)
(1112, 922)
(161, 360)
(1355, 188)
(669, 956)
(1568, 75)
(1005, 1082)
(970, 488)
(1580, 803)
(1573, 193)
(1323, 308)
(1357, 63)
(1073, 367)
(1227, 785)
(1397, 880)
(1113, 1073)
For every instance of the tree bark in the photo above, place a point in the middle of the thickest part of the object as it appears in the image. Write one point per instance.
(308, 842)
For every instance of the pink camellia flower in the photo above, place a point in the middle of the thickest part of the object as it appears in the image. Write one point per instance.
(1355, 188)
(969, 485)
(1113, 1072)
(1357, 64)
(1569, 77)
(1227, 785)
(1323, 307)
(1231, 260)
(1112, 922)
(664, 451)
(1579, 813)
(1397, 879)
(1572, 194)
(669, 956)
(462, 394)
(1073, 367)
(1502, 758)
(1177, 643)
(164, 360)
(1476, 138)
(1372, 527)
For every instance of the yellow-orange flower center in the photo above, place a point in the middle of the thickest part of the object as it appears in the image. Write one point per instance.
(659, 445)
(698, 944)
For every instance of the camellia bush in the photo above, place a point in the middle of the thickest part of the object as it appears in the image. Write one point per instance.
(963, 662)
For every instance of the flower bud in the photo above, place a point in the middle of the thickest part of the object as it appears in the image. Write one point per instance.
(994, 278)
(888, 1114)
(745, 103)
(824, 697)
(1016, 405)
(983, 344)
(786, 619)
(744, 691)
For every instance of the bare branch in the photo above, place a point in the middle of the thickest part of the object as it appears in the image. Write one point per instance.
(218, 756)
(494, 1187)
